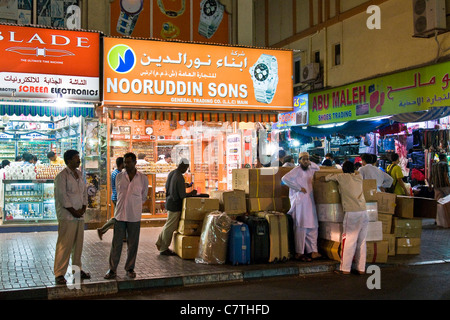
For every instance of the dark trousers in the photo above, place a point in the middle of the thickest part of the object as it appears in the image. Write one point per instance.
(131, 231)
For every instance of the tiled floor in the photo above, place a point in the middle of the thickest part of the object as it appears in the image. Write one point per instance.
(27, 258)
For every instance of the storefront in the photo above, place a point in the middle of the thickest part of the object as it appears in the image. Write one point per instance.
(170, 100)
(47, 103)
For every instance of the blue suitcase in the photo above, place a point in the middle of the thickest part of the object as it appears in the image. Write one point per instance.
(239, 244)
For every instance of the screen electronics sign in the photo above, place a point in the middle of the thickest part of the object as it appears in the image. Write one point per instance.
(189, 75)
(49, 63)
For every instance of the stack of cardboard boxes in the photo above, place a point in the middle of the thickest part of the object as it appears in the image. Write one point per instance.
(330, 215)
(186, 239)
(263, 188)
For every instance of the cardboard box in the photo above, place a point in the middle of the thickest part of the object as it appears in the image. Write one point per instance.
(372, 210)
(370, 189)
(198, 208)
(330, 249)
(386, 202)
(186, 247)
(407, 246)
(386, 220)
(374, 231)
(326, 192)
(190, 227)
(261, 183)
(390, 238)
(330, 212)
(425, 208)
(264, 204)
(377, 251)
(230, 202)
(404, 207)
(407, 228)
(330, 231)
(324, 171)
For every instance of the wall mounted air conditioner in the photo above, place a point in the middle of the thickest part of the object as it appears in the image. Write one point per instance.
(429, 17)
(310, 72)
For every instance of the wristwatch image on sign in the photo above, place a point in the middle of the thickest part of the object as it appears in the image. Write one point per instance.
(264, 74)
(211, 14)
(129, 14)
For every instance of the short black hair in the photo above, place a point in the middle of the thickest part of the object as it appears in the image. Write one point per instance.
(348, 167)
(130, 155)
(119, 161)
(442, 157)
(374, 158)
(69, 154)
(366, 157)
(27, 157)
(51, 154)
(394, 157)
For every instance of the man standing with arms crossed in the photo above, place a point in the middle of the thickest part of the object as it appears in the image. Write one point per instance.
(132, 190)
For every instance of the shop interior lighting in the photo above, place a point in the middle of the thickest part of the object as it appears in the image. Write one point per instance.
(333, 125)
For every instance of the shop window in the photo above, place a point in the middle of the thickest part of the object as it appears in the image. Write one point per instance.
(61, 13)
(317, 56)
(297, 70)
(337, 54)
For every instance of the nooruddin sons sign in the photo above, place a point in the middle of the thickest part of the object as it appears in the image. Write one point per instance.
(191, 75)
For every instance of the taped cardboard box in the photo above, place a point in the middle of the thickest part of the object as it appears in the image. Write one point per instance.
(390, 238)
(198, 208)
(333, 231)
(265, 204)
(407, 246)
(407, 228)
(231, 202)
(372, 210)
(190, 227)
(330, 249)
(386, 202)
(404, 207)
(374, 231)
(377, 251)
(332, 212)
(186, 247)
(261, 183)
(370, 189)
(326, 192)
(386, 220)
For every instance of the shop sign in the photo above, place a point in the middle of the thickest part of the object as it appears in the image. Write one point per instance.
(299, 117)
(49, 63)
(408, 91)
(196, 76)
(6, 136)
(36, 136)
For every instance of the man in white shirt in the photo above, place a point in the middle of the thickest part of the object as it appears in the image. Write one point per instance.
(369, 171)
(132, 189)
(303, 208)
(70, 204)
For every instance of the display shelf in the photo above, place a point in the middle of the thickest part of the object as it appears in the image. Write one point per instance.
(28, 201)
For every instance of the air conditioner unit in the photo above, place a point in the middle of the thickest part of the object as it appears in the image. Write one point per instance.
(429, 17)
(310, 72)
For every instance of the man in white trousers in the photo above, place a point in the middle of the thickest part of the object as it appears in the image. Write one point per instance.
(356, 219)
(303, 208)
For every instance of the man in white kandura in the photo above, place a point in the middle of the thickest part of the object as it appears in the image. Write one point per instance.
(303, 208)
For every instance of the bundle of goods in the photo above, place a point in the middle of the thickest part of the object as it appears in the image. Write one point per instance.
(187, 237)
(263, 188)
(213, 243)
(232, 203)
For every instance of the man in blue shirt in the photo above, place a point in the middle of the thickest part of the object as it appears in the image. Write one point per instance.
(110, 223)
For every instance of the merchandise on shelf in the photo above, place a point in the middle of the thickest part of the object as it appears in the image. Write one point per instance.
(156, 168)
(48, 172)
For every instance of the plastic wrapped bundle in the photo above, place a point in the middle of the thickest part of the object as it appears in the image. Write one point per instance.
(214, 239)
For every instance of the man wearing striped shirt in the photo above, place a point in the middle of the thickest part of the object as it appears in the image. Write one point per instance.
(110, 223)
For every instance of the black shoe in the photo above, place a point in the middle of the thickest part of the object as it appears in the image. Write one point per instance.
(110, 275)
(167, 252)
(85, 275)
(131, 274)
(99, 233)
(60, 280)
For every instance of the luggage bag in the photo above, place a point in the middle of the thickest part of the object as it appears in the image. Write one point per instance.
(239, 244)
(278, 230)
(259, 238)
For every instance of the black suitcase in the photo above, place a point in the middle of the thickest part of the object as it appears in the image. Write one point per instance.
(259, 238)
(291, 236)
